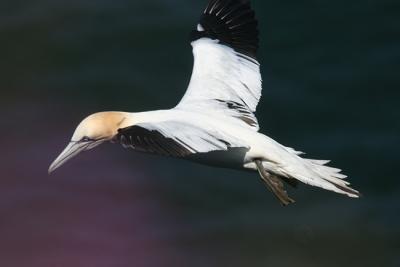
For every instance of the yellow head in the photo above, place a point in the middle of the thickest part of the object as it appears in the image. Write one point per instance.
(91, 132)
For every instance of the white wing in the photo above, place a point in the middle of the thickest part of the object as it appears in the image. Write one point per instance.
(226, 75)
(175, 138)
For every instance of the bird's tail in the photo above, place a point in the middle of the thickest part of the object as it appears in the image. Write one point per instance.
(329, 178)
(316, 173)
(310, 171)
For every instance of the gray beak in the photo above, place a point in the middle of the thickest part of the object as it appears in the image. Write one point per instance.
(72, 149)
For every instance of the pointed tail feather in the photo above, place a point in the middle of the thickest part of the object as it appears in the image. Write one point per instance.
(286, 162)
(327, 177)
(315, 173)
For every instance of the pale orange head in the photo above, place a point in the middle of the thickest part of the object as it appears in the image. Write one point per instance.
(91, 132)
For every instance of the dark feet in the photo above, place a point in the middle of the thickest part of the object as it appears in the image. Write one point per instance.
(274, 183)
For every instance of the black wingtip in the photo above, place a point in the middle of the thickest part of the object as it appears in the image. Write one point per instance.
(232, 23)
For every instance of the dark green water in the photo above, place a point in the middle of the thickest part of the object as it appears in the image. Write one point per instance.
(331, 88)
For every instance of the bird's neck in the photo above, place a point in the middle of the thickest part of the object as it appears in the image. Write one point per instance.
(107, 123)
(124, 119)
(119, 120)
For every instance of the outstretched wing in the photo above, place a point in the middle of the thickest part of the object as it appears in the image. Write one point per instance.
(226, 74)
(174, 138)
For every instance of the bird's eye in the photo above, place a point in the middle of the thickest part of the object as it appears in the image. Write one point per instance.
(86, 139)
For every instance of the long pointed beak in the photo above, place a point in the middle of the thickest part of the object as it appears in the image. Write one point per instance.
(72, 149)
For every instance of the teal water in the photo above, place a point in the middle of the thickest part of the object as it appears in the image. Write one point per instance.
(331, 89)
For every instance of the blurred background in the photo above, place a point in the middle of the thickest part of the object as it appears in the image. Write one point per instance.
(331, 89)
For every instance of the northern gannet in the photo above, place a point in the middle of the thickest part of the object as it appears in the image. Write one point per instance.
(214, 123)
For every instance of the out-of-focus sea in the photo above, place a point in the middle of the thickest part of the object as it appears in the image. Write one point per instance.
(331, 73)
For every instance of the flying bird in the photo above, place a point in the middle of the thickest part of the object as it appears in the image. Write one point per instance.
(214, 123)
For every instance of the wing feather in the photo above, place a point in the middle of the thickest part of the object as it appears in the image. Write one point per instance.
(225, 68)
(173, 138)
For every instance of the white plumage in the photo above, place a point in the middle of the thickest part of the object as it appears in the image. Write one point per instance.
(216, 114)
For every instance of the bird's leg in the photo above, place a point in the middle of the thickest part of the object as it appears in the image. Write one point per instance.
(274, 183)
